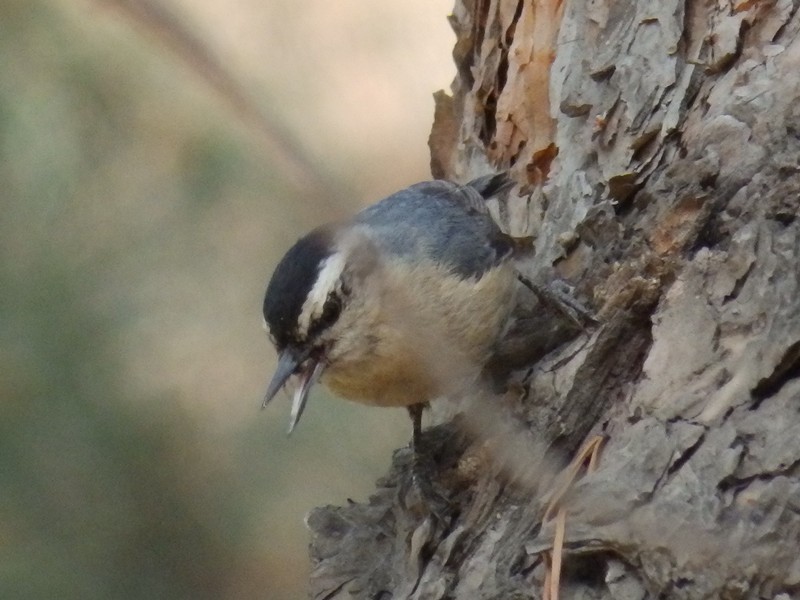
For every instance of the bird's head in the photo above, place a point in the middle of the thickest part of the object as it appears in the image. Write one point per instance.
(316, 308)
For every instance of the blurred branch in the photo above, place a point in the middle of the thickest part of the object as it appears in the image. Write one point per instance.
(158, 20)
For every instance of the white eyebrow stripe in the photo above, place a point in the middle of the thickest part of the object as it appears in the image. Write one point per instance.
(329, 273)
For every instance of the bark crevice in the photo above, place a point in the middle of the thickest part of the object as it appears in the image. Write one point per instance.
(661, 181)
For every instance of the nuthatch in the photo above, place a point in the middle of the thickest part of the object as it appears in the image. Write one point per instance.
(397, 306)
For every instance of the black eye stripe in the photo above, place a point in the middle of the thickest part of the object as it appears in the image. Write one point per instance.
(330, 314)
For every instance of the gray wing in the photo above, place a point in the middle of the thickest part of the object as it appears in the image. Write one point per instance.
(443, 222)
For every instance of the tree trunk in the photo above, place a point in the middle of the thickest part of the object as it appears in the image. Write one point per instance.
(657, 144)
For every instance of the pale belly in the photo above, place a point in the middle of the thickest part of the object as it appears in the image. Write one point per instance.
(421, 354)
(382, 383)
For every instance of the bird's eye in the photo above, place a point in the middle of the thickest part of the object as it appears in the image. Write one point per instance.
(331, 310)
(330, 313)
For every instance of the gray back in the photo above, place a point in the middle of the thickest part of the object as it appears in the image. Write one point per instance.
(439, 221)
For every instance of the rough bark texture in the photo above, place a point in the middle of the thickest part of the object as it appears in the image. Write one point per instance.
(659, 147)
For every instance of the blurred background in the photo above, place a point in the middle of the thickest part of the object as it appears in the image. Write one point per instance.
(142, 213)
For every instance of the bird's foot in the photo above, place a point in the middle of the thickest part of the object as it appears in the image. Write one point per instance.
(422, 494)
(419, 493)
(558, 296)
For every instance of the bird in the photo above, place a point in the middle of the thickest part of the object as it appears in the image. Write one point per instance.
(400, 305)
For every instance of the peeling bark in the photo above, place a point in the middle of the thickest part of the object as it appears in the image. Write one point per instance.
(657, 144)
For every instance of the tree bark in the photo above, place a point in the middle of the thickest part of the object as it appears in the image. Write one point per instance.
(657, 147)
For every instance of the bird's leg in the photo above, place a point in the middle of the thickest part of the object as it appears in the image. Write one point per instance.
(561, 301)
(422, 470)
(415, 412)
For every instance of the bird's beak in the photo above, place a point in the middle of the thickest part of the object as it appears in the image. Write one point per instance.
(287, 363)
(309, 372)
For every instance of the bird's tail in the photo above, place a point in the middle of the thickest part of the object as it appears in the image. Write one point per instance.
(489, 186)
